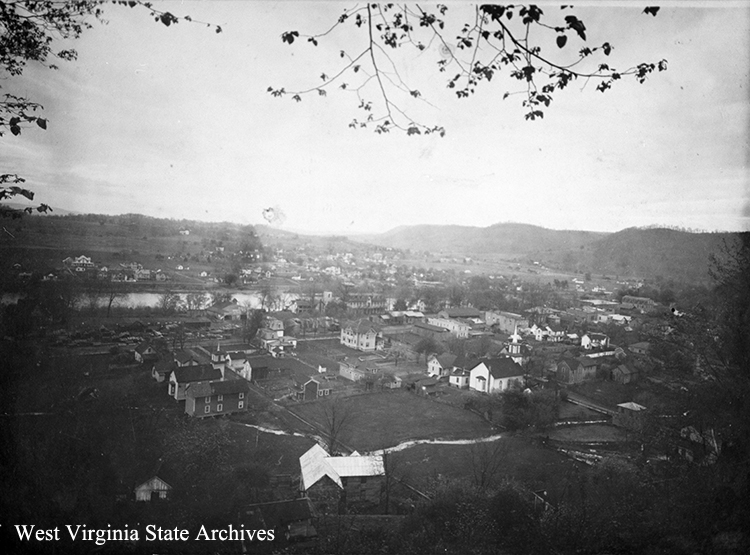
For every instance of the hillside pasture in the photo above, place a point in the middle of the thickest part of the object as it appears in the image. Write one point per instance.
(381, 420)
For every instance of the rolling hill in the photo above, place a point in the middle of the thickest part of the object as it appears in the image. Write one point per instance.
(644, 252)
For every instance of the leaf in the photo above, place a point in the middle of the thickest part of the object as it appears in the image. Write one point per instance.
(561, 40)
(607, 48)
(41, 123)
(289, 36)
(413, 130)
(15, 129)
(653, 10)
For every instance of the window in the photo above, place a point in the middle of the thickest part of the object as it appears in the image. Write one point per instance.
(220, 399)
(320, 393)
(207, 409)
(207, 400)
(241, 404)
(242, 395)
(219, 407)
(327, 391)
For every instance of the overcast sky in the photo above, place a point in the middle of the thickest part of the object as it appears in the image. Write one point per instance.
(177, 122)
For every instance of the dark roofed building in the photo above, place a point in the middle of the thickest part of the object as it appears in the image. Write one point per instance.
(216, 398)
(181, 377)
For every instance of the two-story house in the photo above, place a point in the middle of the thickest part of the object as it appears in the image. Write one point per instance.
(180, 378)
(362, 335)
(216, 398)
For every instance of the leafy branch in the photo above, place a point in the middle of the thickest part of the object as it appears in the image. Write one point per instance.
(28, 32)
(496, 42)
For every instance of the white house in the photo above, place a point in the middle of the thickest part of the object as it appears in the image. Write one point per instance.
(362, 335)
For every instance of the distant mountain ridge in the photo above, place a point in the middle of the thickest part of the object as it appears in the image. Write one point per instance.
(645, 252)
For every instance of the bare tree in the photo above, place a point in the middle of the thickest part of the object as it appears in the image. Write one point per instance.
(168, 301)
(196, 301)
(113, 293)
(337, 418)
(485, 460)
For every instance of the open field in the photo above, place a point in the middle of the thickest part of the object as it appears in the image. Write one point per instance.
(589, 433)
(382, 420)
(518, 458)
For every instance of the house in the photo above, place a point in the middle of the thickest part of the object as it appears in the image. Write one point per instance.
(625, 373)
(181, 377)
(145, 352)
(492, 375)
(630, 415)
(216, 398)
(227, 310)
(352, 371)
(459, 378)
(362, 335)
(426, 386)
(312, 389)
(640, 348)
(441, 365)
(238, 362)
(184, 358)
(291, 520)
(334, 482)
(162, 369)
(594, 341)
(392, 381)
(555, 332)
(576, 370)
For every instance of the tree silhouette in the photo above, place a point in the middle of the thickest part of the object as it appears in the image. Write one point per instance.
(494, 40)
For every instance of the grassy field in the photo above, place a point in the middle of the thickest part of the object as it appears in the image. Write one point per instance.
(518, 458)
(386, 419)
(589, 433)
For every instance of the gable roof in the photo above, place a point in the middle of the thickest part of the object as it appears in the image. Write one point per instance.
(206, 389)
(446, 360)
(501, 367)
(165, 366)
(183, 356)
(363, 325)
(200, 373)
(143, 347)
(316, 464)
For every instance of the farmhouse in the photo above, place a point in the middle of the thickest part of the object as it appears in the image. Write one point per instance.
(181, 377)
(216, 398)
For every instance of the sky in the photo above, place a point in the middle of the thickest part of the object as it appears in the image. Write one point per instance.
(177, 122)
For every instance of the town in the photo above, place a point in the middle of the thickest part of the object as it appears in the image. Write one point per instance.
(335, 396)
